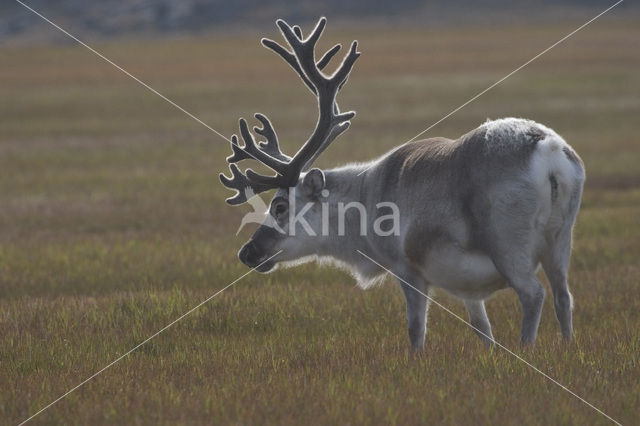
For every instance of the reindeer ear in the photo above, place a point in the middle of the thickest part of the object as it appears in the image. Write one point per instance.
(313, 182)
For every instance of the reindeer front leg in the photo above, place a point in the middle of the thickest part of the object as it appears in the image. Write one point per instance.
(415, 289)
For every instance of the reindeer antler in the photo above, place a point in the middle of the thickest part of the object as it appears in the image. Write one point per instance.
(331, 122)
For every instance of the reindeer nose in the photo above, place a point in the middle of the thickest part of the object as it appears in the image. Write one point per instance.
(247, 253)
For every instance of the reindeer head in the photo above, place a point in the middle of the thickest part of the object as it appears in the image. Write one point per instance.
(296, 189)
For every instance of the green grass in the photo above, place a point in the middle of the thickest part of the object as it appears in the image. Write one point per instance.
(113, 223)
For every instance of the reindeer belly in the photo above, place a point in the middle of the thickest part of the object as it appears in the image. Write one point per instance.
(463, 273)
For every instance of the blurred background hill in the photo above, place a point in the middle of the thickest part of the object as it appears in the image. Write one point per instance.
(120, 18)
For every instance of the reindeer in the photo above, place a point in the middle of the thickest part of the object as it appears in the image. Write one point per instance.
(476, 214)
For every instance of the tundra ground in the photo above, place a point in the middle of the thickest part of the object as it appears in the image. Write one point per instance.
(113, 223)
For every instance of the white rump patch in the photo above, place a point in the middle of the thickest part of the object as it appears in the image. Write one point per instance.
(549, 159)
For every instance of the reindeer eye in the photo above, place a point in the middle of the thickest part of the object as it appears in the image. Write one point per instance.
(279, 207)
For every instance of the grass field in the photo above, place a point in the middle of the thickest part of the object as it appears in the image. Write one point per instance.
(113, 223)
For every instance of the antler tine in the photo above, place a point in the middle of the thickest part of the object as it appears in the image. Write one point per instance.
(326, 90)
(326, 58)
(303, 50)
(293, 62)
(267, 152)
(262, 156)
(271, 145)
(238, 153)
(331, 122)
(315, 33)
(241, 185)
(290, 59)
(341, 74)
